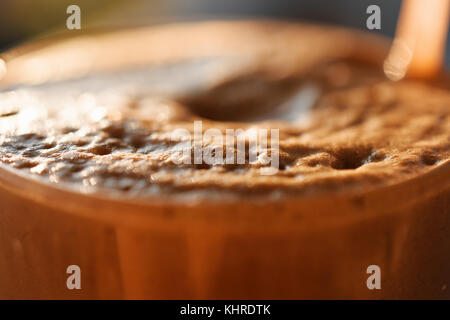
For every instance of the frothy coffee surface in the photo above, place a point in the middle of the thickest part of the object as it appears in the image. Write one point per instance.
(342, 127)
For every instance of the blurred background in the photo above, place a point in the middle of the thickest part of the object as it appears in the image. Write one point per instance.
(21, 20)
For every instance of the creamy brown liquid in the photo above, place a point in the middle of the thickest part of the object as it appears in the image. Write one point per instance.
(343, 127)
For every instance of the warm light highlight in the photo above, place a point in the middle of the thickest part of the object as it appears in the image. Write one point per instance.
(419, 45)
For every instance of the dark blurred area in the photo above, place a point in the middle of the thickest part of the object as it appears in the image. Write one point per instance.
(21, 20)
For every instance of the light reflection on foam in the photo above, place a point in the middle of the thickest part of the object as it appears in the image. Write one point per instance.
(30, 115)
(297, 108)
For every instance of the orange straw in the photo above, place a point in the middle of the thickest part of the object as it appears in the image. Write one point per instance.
(419, 45)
